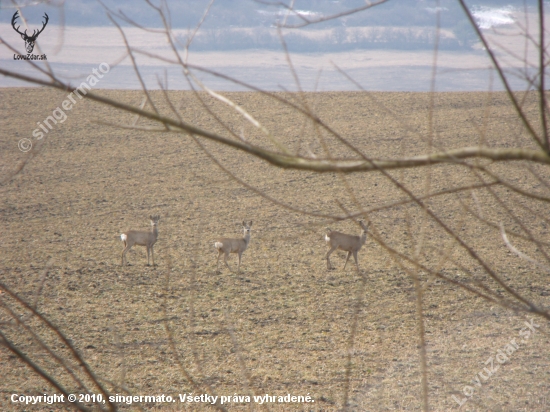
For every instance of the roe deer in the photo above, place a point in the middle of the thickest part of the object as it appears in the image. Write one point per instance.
(347, 243)
(141, 238)
(227, 245)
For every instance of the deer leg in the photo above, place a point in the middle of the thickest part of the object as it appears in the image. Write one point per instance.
(126, 249)
(153, 255)
(218, 261)
(225, 260)
(327, 257)
(147, 247)
(122, 263)
(356, 262)
(239, 265)
(347, 258)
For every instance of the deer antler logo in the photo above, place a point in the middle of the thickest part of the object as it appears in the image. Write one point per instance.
(29, 40)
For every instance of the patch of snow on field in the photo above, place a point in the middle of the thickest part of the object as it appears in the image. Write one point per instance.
(435, 10)
(490, 17)
(305, 13)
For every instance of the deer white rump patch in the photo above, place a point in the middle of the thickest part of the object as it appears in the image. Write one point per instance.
(218, 245)
(327, 238)
(123, 237)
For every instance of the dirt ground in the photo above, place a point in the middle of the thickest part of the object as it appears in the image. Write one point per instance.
(284, 324)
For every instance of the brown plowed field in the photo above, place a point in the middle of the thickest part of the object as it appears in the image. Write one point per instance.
(284, 324)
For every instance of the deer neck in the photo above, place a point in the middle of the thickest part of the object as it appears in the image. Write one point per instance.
(155, 231)
(363, 237)
(246, 238)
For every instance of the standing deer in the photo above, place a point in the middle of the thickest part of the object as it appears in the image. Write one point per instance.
(347, 243)
(226, 246)
(141, 238)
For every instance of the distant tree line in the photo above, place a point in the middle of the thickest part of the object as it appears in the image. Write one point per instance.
(246, 24)
(327, 40)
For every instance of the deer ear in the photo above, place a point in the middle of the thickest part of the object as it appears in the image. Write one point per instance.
(250, 224)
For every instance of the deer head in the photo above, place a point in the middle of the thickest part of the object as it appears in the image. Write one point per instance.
(29, 40)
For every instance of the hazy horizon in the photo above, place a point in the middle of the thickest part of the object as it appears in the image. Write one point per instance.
(364, 53)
